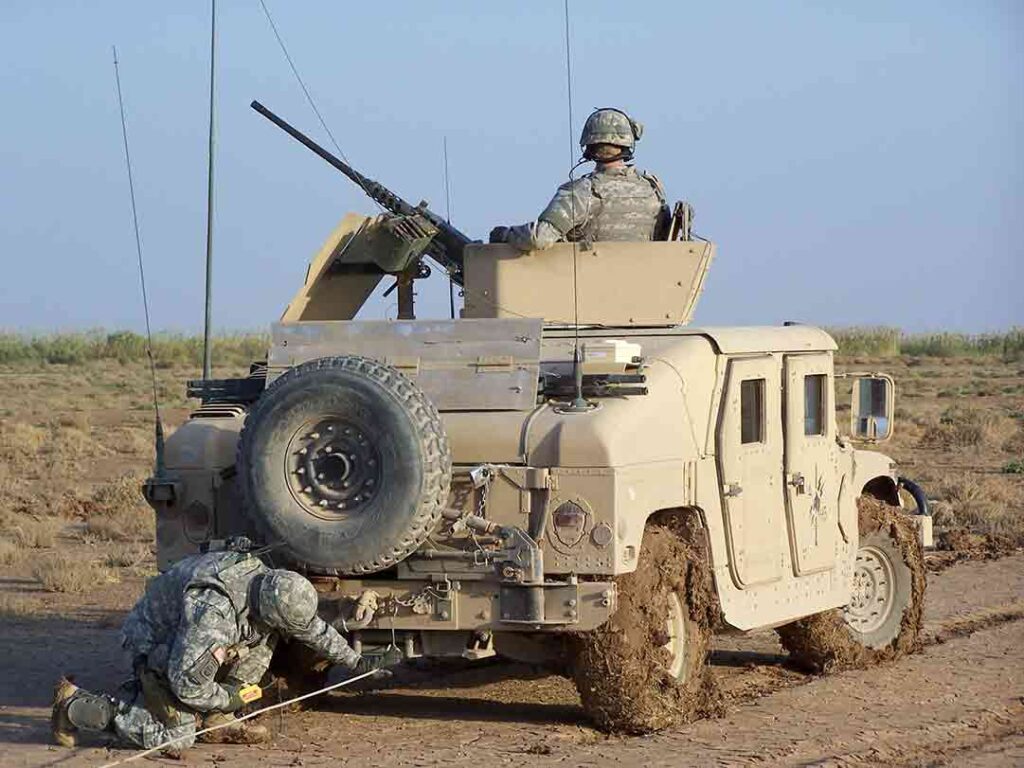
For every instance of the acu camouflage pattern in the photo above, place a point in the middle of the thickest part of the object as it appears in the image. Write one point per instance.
(617, 204)
(611, 126)
(198, 635)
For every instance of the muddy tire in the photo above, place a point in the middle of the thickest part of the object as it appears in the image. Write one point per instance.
(883, 620)
(344, 465)
(645, 668)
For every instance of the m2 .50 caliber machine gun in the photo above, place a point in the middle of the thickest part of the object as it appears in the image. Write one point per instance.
(399, 238)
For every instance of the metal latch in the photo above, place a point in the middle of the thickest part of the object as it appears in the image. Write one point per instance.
(797, 481)
(732, 489)
(494, 364)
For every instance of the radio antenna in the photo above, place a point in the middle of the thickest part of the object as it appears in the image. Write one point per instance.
(448, 217)
(208, 317)
(158, 427)
(579, 403)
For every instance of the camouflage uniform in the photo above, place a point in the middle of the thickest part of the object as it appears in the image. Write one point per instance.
(616, 203)
(194, 638)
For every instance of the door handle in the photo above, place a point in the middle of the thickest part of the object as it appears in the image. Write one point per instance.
(797, 481)
(732, 489)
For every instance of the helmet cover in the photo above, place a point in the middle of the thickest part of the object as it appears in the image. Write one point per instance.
(287, 601)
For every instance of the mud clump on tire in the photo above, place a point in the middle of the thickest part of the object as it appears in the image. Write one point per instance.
(824, 642)
(621, 669)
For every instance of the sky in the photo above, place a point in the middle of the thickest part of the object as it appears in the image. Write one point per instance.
(857, 163)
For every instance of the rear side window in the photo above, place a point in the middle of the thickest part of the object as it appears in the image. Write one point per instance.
(752, 411)
(814, 404)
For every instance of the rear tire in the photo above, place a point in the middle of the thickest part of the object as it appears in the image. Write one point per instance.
(645, 668)
(883, 619)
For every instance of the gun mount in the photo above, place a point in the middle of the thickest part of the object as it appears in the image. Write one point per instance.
(409, 231)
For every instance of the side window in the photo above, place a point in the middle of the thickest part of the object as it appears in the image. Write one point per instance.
(752, 411)
(814, 404)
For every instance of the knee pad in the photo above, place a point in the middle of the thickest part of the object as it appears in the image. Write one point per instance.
(91, 712)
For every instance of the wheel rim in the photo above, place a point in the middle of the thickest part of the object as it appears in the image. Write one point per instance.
(333, 468)
(872, 595)
(675, 628)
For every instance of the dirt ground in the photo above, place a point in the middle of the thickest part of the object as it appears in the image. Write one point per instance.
(74, 554)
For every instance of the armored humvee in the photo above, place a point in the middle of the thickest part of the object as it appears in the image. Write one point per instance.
(568, 474)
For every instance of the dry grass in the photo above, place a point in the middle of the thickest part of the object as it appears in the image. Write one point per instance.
(985, 504)
(964, 426)
(11, 553)
(13, 606)
(118, 512)
(128, 556)
(73, 575)
(35, 532)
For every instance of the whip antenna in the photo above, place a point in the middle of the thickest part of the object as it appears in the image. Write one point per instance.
(208, 317)
(448, 217)
(579, 403)
(159, 427)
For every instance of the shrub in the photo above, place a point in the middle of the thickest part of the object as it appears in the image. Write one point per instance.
(961, 426)
(66, 573)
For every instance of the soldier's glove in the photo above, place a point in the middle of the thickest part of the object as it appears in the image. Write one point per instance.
(499, 235)
(240, 694)
(378, 662)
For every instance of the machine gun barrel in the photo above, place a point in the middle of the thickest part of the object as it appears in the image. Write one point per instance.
(446, 247)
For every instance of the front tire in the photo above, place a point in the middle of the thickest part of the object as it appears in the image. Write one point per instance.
(645, 668)
(883, 618)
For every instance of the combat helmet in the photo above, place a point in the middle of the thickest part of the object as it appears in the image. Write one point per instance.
(609, 125)
(285, 601)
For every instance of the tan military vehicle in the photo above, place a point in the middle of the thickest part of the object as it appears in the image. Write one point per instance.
(568, 474)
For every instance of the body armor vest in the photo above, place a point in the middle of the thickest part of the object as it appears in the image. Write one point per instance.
(626, 207)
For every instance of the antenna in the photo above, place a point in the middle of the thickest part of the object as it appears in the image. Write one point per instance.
(579, 403)
(159, 427)
(207, 352)
(448, 217)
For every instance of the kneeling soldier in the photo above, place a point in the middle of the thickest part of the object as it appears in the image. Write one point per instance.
(201, 638)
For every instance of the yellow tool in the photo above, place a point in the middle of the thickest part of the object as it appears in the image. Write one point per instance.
(250, 693)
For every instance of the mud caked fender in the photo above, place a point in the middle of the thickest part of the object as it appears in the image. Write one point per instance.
(876, 473)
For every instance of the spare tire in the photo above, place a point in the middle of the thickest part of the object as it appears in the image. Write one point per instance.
(344, 466)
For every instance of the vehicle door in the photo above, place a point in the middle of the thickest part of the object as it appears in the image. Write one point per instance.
(749, 452)
(811, 456)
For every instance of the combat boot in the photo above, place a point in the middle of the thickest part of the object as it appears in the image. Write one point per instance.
(236, 733)
(75, 709)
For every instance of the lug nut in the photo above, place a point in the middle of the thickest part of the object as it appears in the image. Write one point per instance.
(320, 476)
(328, 449)
(300, 471)
(330, 428)
(307, 489)
(315, 436)
(323, 502)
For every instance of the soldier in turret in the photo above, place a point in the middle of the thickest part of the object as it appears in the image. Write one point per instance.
(200, 639)
(614, 202)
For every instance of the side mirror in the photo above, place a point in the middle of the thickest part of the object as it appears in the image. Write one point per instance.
(872, 408)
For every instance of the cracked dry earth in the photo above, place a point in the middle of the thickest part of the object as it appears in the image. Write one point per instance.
(960, 701)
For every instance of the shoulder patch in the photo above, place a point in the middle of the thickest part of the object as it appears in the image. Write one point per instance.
(204, 670)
